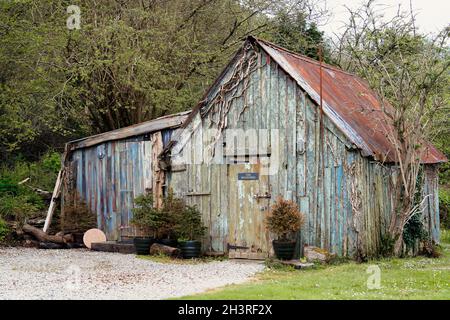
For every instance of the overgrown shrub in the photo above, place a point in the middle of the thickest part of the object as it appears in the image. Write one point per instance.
(19, 207)
(146, 217)
(4, 230)
(172, 211)
(42, 173)
(17, 202)
(77, 217)
(190, 225)
(173, 219)
(7, 186)
(51, 162)
(285, 218)
(414, 231)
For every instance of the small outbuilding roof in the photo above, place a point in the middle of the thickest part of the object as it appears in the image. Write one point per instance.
(166, 122)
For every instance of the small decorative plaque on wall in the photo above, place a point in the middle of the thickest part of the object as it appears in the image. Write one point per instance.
(248, 176)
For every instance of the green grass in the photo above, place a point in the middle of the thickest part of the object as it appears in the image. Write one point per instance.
(410, 278)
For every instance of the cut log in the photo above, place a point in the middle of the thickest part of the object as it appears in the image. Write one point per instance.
(158, 248)
(43, 237)
(92, 236)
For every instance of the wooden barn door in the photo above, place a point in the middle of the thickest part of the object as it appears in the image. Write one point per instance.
(133, 178)
(249, 197)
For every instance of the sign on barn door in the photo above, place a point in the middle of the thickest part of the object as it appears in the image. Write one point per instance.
(249, 197)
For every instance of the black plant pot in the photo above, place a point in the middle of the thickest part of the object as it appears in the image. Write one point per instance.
(284, 250)
(143, 244)
(168, 242)
(190, 249)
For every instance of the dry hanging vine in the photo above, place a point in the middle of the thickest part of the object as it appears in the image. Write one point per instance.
(232, 90)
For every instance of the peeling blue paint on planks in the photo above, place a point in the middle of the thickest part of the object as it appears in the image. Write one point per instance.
(109, 176)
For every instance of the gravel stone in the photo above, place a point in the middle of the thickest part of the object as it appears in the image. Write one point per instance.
(27, 273)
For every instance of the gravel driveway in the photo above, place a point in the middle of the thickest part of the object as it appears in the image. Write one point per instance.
(82, 274)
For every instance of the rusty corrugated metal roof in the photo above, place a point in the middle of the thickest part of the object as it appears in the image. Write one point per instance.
(169, 121)
(347, 101)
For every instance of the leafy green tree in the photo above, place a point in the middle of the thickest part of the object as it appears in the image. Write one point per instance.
(130, 61)
(32, 39)
(294, 32)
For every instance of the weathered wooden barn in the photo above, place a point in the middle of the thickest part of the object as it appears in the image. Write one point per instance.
(322, 142)
(336, 164)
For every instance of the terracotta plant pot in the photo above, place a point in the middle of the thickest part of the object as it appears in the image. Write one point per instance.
(284, 250)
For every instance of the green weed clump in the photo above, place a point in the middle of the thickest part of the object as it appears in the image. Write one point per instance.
(18, 200)
(4, 230)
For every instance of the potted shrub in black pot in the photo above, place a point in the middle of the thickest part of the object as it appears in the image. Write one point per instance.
(285, 219)
(171, 212)
(147, 219)
(190, 229)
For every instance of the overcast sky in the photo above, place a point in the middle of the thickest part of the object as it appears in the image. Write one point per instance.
(432, 15)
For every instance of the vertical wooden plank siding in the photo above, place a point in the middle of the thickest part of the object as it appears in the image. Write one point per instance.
(111, 175)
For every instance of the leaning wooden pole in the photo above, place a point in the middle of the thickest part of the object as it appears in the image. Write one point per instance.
(51, 208)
